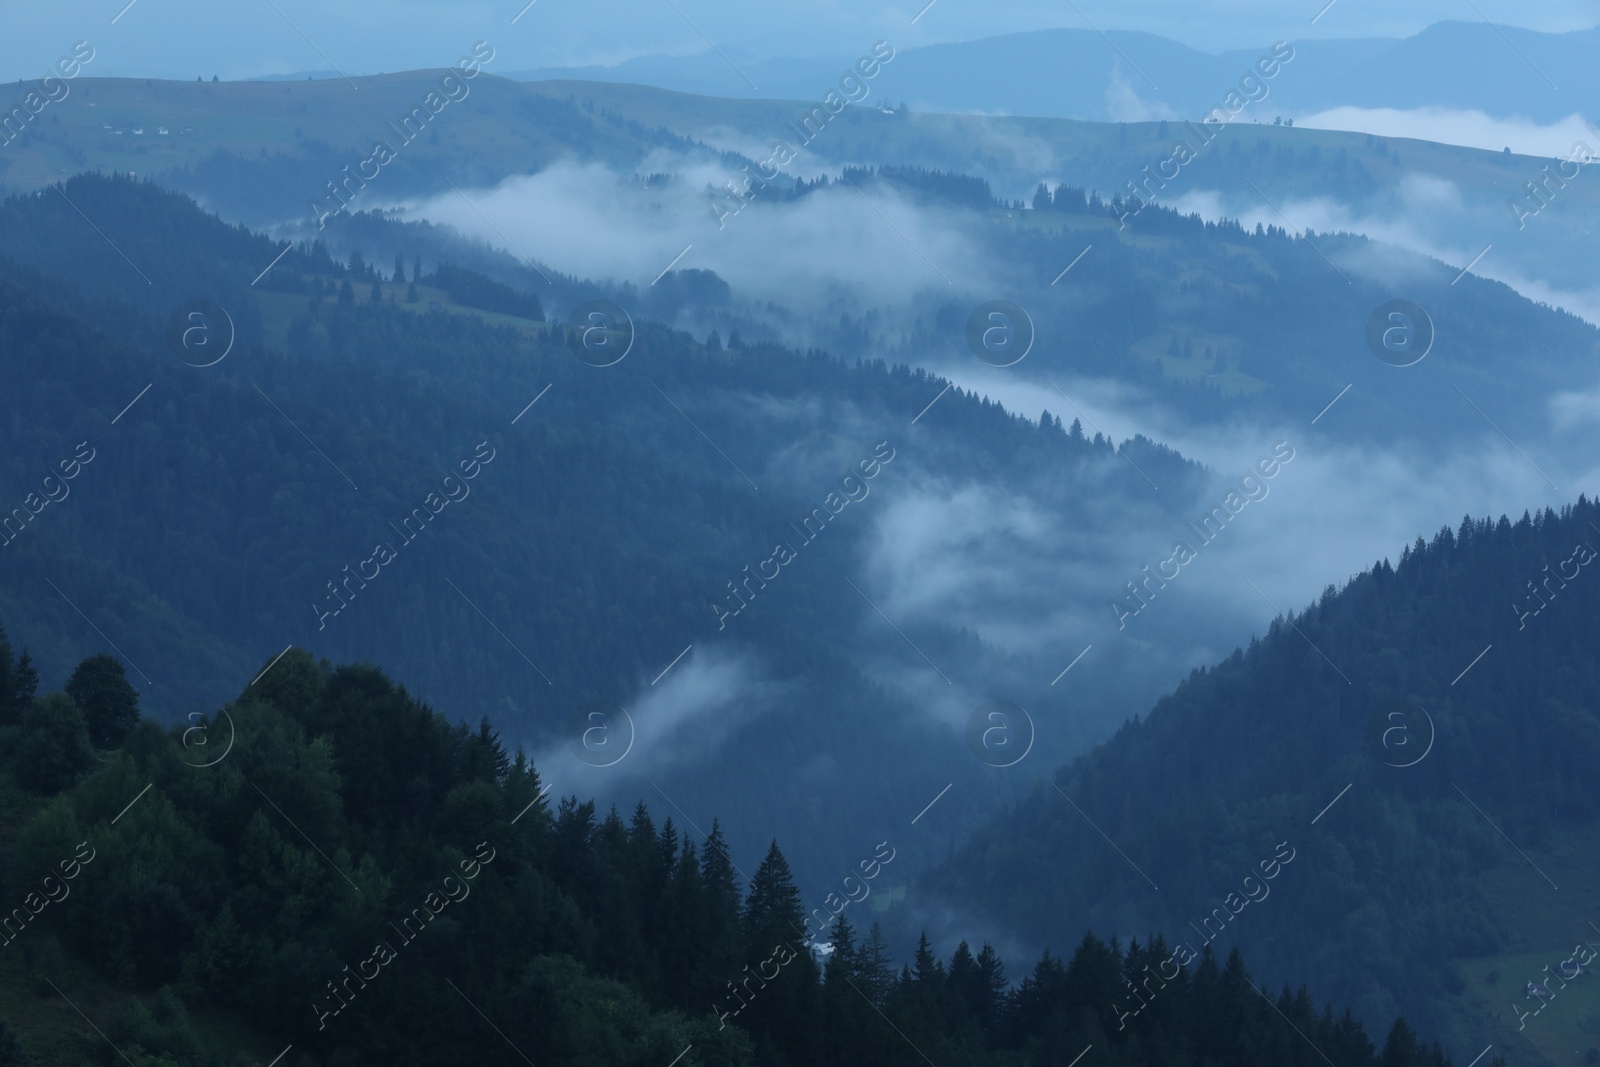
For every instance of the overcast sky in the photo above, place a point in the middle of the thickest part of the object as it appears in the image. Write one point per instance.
(249, 38)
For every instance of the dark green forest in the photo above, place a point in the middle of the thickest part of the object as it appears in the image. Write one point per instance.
(224, 503)
(214, 511)
(339, 869)
(1368, 689)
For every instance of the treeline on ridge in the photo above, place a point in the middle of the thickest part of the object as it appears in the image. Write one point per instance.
(326, 810)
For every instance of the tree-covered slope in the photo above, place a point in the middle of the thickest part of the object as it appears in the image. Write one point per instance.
(1284, 320)
(459, 491)
(328, 873)
(1431, 721)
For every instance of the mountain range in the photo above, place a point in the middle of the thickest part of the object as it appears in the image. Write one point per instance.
(714, 494)
(1130, 76)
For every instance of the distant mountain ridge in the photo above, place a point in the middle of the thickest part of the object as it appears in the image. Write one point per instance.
(1130, 76)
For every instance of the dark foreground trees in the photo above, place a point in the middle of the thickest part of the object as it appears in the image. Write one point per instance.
(371, 883)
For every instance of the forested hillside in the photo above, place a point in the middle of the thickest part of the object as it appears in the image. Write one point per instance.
(577, 574)
(606, 538)
(330, 873)
(233, 509)
(1446, 702)
(1219, 322)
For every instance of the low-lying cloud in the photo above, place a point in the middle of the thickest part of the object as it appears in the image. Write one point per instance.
(836, 244)
(1469, 129)
(1434, 217)
(683, 720)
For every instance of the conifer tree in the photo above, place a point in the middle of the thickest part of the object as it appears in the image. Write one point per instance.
(24, 686)
(8, 699)
(719, 916)
(773, 914)
(842, 959)
(992, 987)
(876, 966)
(1400, 1049)
(925, 965)
(780, 1018)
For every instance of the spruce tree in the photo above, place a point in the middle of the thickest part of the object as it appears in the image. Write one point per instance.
(964, 978)
(719, 916)
(992, 987)
(8, 699)
(773, 913)
(682, 944)
(486, 756)
(1400, 1050)
(24, 685)
(843, 1005)
(842, 960)
(876, 966)
(925, 966)
(781, 1017)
